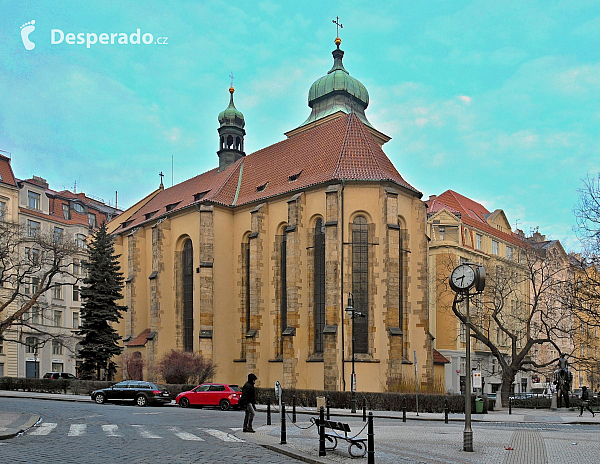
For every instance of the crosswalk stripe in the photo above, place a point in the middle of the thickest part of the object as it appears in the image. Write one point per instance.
(111, 430)
(185, 435)
(145, 433)
(44, 428)
(76, 430)
(222, 435)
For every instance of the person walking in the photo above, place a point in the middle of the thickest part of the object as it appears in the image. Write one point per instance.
(249, 401)
(585, 401)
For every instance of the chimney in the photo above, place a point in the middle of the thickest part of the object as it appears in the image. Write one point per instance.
(432, 197)
(39, 181)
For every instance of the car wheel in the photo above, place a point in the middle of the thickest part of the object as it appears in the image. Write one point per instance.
(141, 401)
(100, 398)
(184, 402)
(225, 405)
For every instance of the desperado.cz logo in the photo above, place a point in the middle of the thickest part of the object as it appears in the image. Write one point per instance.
(57, 36)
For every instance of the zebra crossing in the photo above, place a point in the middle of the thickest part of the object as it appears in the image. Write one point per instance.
(141, 431)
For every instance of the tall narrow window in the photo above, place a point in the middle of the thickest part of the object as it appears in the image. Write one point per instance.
(188, 296)
(283, 283)
(319, 256)
(401, 284)
(33, 200)
(360, 282)
(246, 251)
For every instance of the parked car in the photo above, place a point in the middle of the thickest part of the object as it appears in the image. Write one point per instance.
(142, 393)
(225, 396)
(576, 393)
(59, 375)
(541, 391)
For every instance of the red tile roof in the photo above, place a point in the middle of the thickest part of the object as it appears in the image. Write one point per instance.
(140, 340)
(6, 173)
(341, 149)
(439, 358)
(472, 214)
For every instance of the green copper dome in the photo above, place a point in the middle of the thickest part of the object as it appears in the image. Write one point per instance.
(337, 91)
(231, 116)
(338, 79)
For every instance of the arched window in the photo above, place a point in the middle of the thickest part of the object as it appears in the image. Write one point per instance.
(283, 289)
(246, 251)
(229, 141)
(319, 287)
(360, 282)
(238, 143)
(222, 142)
(188, 295)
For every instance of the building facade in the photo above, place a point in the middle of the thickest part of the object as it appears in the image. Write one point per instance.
(252, 264)
(462, 230)
(45, 339)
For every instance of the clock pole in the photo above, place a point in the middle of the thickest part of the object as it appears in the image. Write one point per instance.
(468, 432)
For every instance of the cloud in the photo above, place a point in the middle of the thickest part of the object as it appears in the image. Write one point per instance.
(466, 100)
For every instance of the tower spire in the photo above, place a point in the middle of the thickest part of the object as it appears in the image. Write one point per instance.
(231, 133)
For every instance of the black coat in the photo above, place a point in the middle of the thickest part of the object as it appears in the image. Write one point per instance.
(248, 394)
(585, 396)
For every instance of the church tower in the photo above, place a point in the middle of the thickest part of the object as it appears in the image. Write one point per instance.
(231, 134)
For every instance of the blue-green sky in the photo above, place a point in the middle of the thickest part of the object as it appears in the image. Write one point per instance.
(499, 101)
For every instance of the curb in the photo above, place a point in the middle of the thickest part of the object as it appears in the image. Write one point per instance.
(11, 433)
(291, 454)
(72, 399)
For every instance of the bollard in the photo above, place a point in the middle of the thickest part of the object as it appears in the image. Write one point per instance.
(404, 409)
(509, 405)
(322, 451)
(370, 441)
(283, 431)
(446, 411)
(294, 409)
(327, 403)
(268, 411)
(364, 410)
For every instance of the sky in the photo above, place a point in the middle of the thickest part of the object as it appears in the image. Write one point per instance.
(499, 101)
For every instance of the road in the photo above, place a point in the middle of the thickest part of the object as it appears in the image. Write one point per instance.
(85, 433)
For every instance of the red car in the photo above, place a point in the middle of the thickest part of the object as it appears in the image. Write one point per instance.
(225, 396)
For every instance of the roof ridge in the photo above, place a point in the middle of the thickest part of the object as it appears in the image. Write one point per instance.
(339, 161)
(226, 180)
(369, 139)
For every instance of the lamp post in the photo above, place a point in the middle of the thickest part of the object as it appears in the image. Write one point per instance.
(352, 313)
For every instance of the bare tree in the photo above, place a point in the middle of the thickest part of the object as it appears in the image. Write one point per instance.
(525, 305)
(31, 265)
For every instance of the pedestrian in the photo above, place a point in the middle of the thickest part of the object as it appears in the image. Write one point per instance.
(585, 401)
(248, 400)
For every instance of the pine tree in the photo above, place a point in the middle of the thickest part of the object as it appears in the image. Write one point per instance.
(101, 291)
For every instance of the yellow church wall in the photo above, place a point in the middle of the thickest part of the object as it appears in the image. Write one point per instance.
(142, 254)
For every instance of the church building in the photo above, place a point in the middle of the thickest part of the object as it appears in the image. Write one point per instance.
(253, 263)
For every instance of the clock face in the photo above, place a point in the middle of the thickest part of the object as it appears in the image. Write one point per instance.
(462, 278)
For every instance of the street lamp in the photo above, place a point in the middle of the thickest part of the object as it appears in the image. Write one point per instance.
(353, 313)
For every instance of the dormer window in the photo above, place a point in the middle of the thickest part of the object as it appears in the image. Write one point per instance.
(149, 215)
(294, 177)
(33, 200)
(126, 223)
(260, 188)
(172, 206)
(78, 207)
(200, 196)
(66, 211)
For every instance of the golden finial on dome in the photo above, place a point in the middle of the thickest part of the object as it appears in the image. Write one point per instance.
(231, 89)
(336, 21)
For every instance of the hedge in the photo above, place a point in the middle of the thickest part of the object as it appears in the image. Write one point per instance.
(306, 398)
(374, 401)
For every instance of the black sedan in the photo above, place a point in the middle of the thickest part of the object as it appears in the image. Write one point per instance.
(142, 393)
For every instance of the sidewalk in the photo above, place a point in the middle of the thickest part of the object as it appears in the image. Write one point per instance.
(428, 441)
